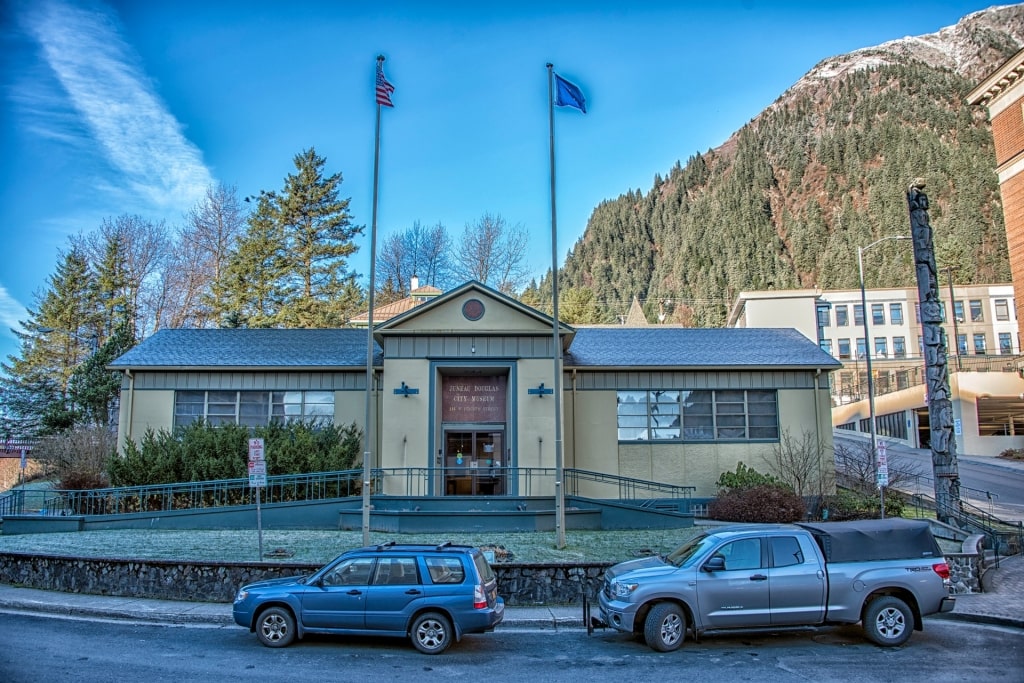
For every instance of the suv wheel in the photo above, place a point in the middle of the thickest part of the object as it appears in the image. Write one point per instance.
(275, 627)
(431, 633)
(665, 627)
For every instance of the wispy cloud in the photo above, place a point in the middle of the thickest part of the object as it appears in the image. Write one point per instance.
(12, 312)
(117, 103)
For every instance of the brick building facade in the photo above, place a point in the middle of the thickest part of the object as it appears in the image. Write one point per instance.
(1002, 93)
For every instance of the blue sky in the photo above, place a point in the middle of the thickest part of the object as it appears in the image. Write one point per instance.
(136, 107)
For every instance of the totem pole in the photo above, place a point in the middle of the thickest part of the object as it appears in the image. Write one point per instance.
(940, 407)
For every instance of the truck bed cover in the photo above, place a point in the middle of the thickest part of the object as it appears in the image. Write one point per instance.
(874, 539)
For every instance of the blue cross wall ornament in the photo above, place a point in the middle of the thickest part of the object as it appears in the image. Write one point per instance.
(540, 391)
(405, 390)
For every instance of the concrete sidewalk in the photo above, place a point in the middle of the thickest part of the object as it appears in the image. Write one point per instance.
(1002, 604)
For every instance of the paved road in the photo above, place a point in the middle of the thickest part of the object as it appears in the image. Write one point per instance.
(84, 651)
(1002, 480)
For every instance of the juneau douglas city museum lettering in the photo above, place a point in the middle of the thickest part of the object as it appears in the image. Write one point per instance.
(474, 399)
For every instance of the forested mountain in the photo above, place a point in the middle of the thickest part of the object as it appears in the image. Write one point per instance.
(786, 201)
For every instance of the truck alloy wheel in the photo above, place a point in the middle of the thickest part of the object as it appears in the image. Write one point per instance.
(888, 621)
(665, 627)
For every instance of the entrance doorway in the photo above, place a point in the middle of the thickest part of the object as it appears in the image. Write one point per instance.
(473, 462)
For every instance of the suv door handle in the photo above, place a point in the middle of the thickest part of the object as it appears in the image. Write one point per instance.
(412, 591)
(758, 577)
(355, 591)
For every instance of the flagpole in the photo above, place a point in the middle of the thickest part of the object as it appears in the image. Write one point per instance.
(556, 342)
(367, 451)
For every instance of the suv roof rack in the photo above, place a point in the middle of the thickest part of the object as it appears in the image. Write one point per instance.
(382, 546)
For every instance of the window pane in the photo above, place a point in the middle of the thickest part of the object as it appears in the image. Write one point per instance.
(762, 407)
(253, 408)
(1002, 309)
(844, 348)
(878, 314)
(698, 422)
(979, 344)
(896, 314)
(221, 407)
(842, 319)
(632, 415)
(858, 314)
(977, 315)
(188, 407)
(1005, 343)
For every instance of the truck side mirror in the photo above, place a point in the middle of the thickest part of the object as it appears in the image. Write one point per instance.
(715, 564)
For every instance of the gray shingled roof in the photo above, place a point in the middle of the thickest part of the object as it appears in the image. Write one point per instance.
(592, 347)
(251, 348)
(688, 347)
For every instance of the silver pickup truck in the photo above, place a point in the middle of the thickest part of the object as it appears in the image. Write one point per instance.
(886, 574)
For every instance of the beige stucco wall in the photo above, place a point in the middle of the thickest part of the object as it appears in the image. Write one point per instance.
(498, 316)
(150, 409)
(405, 436)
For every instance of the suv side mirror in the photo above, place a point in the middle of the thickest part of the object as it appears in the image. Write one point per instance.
(715, 564)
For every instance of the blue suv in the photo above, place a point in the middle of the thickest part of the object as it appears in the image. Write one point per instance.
(430, 594)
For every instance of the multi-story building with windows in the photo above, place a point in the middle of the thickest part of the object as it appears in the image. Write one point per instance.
(984, 363)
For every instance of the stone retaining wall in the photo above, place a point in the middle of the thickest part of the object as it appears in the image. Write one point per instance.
(966, 568)
(518, 584)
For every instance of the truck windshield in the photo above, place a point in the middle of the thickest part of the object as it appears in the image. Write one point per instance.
(685, 554)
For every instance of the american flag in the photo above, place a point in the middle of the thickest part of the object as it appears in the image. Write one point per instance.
(384, 89)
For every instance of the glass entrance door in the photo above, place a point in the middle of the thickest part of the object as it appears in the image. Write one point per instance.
(473, 463)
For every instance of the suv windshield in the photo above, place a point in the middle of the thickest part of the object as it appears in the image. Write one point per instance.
(682, 555)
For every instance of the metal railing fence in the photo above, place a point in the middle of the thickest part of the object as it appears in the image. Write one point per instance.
(409, 481)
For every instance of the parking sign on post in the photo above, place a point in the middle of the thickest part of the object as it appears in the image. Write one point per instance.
(883, 464)
(257, 480)
(257, 464)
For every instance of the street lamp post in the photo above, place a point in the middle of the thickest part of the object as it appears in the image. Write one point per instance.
(867, 359)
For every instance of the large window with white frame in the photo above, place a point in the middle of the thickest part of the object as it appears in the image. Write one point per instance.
(252, 408)
(698, 415)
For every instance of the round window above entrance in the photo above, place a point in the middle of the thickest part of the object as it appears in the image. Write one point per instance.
(473, 309)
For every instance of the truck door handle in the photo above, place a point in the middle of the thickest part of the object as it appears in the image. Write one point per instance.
(758, 577)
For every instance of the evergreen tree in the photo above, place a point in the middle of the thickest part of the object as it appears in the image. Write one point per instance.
(318, 239)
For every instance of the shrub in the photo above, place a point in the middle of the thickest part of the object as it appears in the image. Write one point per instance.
(745, 478)
(847, 504)
(77, 456)
(202, 452)
(767, 503)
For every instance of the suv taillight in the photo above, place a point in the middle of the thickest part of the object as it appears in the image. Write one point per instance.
(479, 597)
(942, 569)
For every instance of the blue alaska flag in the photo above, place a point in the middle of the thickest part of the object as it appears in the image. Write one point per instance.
(568, 95)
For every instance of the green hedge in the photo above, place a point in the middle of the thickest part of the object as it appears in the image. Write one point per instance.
(202, 452)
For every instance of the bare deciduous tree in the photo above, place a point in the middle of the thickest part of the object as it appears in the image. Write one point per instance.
(493, 252)
(204, 245)
(420, 251)
(855, 469)
(801, 462)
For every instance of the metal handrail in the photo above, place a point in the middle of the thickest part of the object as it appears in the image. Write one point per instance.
(628, 487)
(411, 481)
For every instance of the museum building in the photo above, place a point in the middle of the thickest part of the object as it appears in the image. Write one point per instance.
(461, 399)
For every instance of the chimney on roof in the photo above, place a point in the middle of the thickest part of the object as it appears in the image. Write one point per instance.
(414, 284)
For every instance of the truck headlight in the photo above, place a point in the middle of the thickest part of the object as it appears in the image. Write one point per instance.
(623, 590)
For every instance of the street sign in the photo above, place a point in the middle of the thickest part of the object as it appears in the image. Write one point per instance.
(255, 450)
